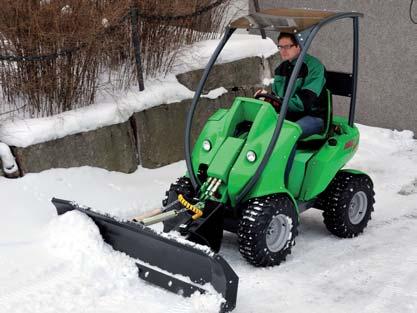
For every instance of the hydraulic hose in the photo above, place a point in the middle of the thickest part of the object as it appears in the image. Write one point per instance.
(189, 206)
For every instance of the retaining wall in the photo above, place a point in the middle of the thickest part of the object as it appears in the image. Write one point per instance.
(153, 137)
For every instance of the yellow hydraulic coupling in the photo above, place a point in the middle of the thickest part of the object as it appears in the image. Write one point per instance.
(191, 207)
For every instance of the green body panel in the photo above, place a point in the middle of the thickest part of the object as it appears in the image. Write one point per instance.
(297, 173)
(272, 179)
(311, 173)
(222, 125)
(326, 162)
(225, 158)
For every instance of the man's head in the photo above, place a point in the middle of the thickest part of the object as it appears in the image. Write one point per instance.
(288, 46)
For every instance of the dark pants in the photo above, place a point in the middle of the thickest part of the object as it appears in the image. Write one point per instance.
(310, 125)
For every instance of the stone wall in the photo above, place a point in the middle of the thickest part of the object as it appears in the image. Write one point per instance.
(153, 137)
(111, 147)
(160, 130)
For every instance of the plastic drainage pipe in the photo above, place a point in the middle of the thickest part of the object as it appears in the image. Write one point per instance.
(7, 159)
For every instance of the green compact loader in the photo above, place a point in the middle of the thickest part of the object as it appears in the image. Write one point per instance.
(238, 178)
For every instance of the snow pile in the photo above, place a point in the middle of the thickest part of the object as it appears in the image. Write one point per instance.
(74, 237)
(215, 93)
(409, 189)
(7, 159)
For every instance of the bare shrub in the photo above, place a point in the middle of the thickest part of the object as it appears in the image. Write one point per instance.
(53, 53)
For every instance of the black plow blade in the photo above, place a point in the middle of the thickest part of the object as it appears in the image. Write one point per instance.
(159, 258)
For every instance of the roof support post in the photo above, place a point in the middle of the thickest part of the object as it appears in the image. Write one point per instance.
(281, 117)
(240, 197)
(257, 9)
(309, 34)
(187, 149)
(355, 63)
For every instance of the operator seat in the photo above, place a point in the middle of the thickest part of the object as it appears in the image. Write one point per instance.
(327, 122)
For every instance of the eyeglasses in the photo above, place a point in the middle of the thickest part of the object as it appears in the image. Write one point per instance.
(286, 47)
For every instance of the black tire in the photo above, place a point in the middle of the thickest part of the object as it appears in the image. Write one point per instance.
(256, 243)
(181, 186)
(347, 204)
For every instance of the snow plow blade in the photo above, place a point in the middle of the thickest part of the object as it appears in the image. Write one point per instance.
(160, 258)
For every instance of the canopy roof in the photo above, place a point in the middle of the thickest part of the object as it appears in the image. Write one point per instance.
(282, 20)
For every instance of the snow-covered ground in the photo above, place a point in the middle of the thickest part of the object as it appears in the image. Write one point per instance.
(60, 264)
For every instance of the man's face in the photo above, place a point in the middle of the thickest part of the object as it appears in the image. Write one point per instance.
(288, 50)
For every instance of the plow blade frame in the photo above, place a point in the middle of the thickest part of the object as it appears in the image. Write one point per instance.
(160, 258)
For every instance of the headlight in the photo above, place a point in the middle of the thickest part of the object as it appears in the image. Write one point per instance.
(206, 145)
(251, 156)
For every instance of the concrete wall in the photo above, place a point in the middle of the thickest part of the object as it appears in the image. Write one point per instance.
(152, 138)
(388, 64)
(111, 147)
(160, 130)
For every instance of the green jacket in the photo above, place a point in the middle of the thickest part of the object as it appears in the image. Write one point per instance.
(309, 94)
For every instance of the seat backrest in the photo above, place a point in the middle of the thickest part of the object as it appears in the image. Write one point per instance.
(339, 84)
(327, 123)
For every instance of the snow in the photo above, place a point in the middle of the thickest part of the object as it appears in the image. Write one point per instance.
(238, 47)
(7, 159)
(61, 264)
(116, 107)
(215, 93)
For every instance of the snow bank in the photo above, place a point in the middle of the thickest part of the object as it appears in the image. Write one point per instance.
(7, 159)
(117, 108)
(111, 110)
(75, 239)
(239, 46)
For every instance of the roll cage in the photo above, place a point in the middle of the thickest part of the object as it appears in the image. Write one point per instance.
(305, 24)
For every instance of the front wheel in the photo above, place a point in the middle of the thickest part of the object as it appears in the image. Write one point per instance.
(267, 230)
(348, 204)
(184, 187)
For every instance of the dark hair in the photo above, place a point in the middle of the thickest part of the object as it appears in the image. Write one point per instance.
(288, 35)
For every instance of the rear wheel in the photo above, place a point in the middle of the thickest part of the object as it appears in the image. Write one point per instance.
(348, 204)
(267, 230)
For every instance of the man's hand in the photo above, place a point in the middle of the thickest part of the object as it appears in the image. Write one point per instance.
(260, 91)
(271, 98)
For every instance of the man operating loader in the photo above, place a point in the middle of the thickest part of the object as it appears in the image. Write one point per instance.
(307, 104)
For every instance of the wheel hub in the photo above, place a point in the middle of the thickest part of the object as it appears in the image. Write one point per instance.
(357, 207)
(278, 232)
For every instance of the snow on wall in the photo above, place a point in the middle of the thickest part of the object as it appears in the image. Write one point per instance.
(117, 108)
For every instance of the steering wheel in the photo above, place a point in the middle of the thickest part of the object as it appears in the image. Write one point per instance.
(272, 99)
